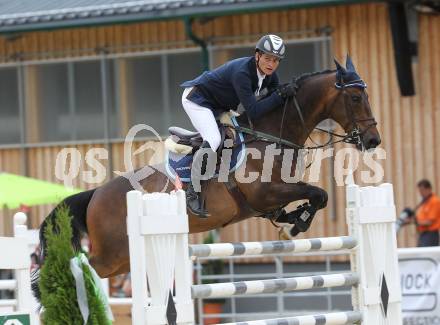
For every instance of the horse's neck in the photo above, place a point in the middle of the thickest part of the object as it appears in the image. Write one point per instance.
(292, 127)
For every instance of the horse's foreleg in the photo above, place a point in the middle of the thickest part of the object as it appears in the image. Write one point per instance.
(277, 194)
(301, 217)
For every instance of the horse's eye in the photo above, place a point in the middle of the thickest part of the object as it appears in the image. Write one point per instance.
(356, 98)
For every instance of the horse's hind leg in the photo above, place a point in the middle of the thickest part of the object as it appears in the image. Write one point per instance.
(109, 243)
(124, 268)
(109, 253)
(106, 268)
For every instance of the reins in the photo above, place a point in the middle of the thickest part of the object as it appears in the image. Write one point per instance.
(354, 137)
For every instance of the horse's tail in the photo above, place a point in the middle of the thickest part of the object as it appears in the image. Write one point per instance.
(77, 205)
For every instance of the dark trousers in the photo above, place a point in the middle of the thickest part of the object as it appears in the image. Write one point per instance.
(428, 238)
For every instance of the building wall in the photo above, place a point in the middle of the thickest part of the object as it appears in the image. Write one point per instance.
(408, 126)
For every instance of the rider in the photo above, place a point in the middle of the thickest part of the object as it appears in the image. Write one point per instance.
(224, 88)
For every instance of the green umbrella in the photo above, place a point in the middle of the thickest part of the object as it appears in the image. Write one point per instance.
(16, 190)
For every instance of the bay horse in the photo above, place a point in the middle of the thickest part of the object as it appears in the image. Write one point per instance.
(338, 94)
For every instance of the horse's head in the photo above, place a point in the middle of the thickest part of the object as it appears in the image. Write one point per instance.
(351, 108)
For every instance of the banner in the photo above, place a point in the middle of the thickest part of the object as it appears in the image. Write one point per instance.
(420, 283)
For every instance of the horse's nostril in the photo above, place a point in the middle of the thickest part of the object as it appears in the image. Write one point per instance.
(373, 143)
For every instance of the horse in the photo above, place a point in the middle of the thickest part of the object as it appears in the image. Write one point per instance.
(338, 94)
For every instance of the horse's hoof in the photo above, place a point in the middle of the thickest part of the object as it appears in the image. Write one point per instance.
(284, 233)
(294, 231)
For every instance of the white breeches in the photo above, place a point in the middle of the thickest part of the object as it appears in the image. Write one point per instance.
(203, 121)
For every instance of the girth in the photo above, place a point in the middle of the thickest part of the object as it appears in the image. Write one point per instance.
(243, 204)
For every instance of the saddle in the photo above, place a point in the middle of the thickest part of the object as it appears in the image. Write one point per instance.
(183, 141)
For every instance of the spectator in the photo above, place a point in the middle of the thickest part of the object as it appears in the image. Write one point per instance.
(428, 215)
(35, 262)
(121, 286)
(126, 286)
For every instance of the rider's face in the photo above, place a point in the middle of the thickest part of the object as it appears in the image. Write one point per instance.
(267, 63)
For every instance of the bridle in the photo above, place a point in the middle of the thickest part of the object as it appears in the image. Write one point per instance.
(356, 133)
(353, 137)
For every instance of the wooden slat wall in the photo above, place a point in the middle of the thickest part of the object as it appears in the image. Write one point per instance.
(408, 125)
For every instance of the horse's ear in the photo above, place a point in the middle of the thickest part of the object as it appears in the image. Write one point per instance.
(349, 64)
(339, 67)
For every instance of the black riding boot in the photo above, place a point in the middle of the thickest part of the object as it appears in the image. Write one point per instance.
(195, 201)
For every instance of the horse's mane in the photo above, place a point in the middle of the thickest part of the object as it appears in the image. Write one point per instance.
(299, 81)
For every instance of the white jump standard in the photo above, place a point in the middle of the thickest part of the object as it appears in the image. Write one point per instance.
(15, 256)
(161, 260)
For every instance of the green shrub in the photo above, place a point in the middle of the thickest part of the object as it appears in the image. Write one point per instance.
(57, 284)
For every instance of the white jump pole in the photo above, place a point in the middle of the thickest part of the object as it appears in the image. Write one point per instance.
(341, 318)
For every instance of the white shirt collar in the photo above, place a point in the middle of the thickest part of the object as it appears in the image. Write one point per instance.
(261, 77)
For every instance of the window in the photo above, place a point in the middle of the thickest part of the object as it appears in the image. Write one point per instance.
(181, 67)
(65, 101)
(154, 92)
(88, 120)
(9, 106)
(49, 106)
(145, 92)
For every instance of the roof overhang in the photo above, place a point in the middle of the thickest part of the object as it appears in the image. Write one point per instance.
(139, 11)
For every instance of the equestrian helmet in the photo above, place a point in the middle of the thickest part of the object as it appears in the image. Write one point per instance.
(272, 45)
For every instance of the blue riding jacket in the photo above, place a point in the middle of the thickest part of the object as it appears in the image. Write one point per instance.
(234, 82)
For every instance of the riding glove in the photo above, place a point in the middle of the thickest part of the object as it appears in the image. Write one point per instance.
(286, 90)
